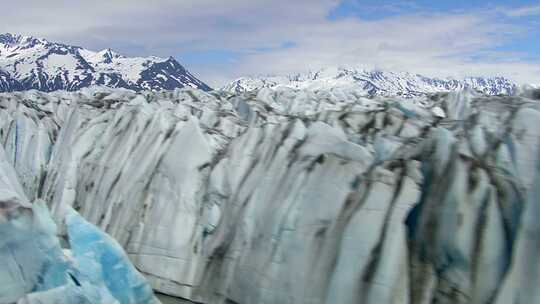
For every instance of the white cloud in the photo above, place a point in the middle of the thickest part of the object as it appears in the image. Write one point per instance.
(532, 10)
(435, 45)
(431, 43)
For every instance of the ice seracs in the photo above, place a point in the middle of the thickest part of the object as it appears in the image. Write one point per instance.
(36, 270)
(285, 195)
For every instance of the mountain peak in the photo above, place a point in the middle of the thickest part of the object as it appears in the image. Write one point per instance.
(15, 39)
(108, 55)
(32, 63)
(6, 38)
(374, 82)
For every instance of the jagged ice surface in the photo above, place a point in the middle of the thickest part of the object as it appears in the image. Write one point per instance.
(36, 270)
(295, 196)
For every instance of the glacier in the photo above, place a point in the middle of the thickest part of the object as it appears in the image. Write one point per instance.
(36, 269)
(284, 195)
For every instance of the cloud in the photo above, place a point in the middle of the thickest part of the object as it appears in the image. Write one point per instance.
(190, 25)
(242, 37)
(532, 10)
(436, 45)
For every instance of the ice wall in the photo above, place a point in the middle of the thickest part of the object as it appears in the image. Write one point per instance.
(34, 268)
(299, 197)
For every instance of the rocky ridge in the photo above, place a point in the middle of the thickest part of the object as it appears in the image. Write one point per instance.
(373, 83)
(28, 63)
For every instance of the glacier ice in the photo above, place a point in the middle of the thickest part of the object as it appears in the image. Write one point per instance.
(289, 196)
(35, 268)
(102, 261)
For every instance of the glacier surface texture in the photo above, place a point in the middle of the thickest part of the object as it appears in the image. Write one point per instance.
(272, 196)
(35, 269)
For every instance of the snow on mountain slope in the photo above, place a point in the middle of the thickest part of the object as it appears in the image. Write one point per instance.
(30, 63)
(382, 83)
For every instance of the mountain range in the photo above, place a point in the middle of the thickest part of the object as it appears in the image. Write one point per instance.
(374, 82)
(31, 63)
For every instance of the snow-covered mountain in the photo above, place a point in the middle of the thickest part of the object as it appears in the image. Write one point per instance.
(31, 63)
(374, 83)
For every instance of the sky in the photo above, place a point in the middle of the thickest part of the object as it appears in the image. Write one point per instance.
(220, 40)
